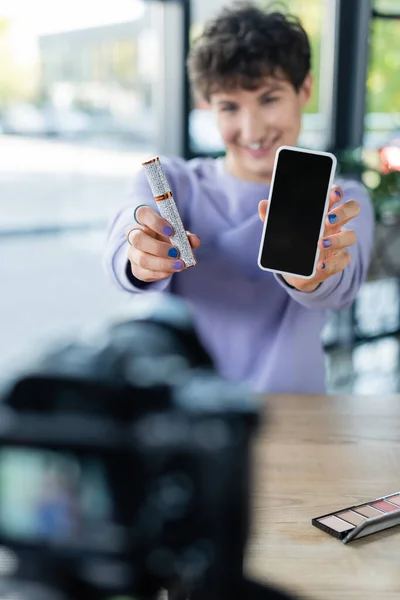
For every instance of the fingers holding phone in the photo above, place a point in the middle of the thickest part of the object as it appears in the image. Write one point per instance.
(303, 239)
(299, 200)
(340, 216)
(334, 256)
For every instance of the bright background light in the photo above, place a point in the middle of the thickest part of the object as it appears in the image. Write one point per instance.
(47, 16)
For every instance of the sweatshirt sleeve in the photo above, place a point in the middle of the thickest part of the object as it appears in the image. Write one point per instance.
(339, 291)
(116, 252)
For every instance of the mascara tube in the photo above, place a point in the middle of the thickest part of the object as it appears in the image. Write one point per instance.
(161, 191)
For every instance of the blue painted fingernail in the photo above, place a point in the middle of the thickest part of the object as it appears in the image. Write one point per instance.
(173, 252)
(323, 266)
(332, 219)
(338, 193)
(327, 243)
(178, 265)
(167, 231)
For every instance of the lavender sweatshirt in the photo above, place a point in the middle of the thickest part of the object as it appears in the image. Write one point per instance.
(257, 329)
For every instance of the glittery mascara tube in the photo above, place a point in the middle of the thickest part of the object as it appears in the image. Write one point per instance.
(166, 205)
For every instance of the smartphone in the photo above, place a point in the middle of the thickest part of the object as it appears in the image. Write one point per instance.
(297, 207)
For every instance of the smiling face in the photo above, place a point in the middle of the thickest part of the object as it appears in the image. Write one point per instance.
(255, 123)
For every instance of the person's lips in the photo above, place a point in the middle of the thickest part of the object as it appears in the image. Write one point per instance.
(260, 150)
(258, 153)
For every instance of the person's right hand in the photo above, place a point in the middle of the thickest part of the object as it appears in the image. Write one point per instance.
(151, 253)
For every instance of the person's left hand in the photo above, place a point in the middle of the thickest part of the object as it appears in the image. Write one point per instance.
(334, 256)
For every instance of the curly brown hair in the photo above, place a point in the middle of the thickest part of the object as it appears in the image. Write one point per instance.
(243, 45)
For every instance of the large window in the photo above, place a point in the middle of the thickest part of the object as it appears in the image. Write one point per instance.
(82, 99)
(77, 107)
(383, 87)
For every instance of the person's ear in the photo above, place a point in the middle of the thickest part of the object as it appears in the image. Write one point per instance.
(306, 89)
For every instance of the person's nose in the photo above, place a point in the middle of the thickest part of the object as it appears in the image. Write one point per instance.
(251, 128)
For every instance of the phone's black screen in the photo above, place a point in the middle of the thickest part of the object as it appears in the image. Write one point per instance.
(297, 205)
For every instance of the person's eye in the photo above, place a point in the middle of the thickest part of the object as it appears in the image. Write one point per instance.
(270, 99)
(229, 108)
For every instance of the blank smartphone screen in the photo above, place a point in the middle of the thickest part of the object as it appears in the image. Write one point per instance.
(295, 214)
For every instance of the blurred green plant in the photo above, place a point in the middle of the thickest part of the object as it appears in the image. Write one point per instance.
(383, 89)
(383, 183)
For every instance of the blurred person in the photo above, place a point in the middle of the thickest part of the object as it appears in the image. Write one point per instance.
(253, 68)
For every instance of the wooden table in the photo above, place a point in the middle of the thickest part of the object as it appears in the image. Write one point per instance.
(314, 455)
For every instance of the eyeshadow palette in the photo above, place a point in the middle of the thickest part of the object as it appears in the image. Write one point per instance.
(355, 522)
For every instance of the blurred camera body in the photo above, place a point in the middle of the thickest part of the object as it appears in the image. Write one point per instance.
(125, 464)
